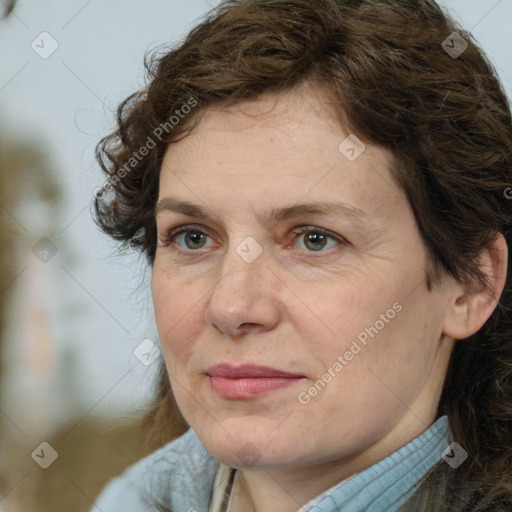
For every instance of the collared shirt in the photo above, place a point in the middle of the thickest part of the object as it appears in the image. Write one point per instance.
(385, 486)
(183, 477)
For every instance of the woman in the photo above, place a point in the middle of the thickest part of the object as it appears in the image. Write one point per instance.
(320, 189)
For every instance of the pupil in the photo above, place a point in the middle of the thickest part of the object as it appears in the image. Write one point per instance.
(194, 236)
(315, 238)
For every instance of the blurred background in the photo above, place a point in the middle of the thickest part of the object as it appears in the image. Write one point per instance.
(76, 320)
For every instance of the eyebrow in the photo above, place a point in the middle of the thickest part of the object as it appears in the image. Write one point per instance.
(277, 214)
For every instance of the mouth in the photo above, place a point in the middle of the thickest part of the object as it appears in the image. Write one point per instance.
(249, 381)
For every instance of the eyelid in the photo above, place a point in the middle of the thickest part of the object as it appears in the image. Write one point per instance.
(326, 232)
(169, 236)
(300, 230)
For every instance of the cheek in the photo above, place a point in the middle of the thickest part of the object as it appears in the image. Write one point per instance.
(383, 328)
(350, 312)
(393, 358)
(177, 312)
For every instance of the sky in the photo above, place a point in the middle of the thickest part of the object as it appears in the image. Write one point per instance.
(65, 66)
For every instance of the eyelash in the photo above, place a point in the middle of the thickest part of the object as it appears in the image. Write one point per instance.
(169, 237)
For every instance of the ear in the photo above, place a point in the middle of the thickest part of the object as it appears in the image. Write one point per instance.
(473, 304)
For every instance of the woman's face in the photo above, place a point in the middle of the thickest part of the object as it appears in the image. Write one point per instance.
(293, 335)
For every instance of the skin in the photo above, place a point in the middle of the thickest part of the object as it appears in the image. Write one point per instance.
(297, 309)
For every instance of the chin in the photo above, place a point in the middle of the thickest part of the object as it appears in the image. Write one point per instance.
(245, 442)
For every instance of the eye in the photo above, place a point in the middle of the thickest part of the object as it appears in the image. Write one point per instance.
(187, 238)
(317, 239)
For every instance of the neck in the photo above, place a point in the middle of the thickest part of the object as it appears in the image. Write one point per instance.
(256, 491)
(289, 489)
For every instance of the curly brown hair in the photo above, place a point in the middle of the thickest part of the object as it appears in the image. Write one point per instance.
(444, 118)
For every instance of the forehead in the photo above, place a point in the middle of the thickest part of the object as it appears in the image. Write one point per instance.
(284, 118)
(281, 148)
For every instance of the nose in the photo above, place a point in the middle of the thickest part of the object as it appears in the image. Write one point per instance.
(244, 298)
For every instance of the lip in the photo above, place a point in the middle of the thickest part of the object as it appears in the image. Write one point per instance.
(249, 380)
(247, 371)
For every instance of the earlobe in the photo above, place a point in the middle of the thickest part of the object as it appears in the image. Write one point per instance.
(473, 304)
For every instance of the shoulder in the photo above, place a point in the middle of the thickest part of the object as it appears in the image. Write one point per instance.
(178, 476)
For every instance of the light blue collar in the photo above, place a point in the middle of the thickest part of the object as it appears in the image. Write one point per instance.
(389, 483)
(181, 474)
